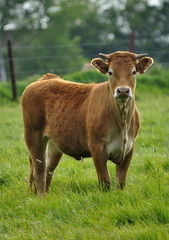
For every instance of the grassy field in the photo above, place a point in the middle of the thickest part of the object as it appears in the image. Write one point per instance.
(75, 208)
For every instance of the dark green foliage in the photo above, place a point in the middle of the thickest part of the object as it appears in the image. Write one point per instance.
(6, 89)
(154, 79)
(60, 36)
(86, 77)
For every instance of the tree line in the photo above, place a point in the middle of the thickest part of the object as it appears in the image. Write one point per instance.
(71, 32)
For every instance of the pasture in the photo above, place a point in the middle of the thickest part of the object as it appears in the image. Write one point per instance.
(75, 208)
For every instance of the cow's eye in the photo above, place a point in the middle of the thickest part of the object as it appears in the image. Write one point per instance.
(110, 73)
(134, 72)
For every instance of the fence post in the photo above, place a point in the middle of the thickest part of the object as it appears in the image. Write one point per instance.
(12, 71)
(132, 42)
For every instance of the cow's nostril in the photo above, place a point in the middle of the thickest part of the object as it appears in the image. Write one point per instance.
(127, 90)
(118, 90)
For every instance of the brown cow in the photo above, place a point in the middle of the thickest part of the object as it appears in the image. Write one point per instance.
(84, 120)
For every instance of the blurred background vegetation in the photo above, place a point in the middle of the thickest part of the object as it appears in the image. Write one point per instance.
(61, 36)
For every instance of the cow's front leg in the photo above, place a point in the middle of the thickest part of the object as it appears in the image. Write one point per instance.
(100, 162)
(121, 170)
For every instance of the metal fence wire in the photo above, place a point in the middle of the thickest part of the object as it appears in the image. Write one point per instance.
(33, 59)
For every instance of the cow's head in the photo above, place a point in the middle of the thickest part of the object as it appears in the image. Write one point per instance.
(122, 68)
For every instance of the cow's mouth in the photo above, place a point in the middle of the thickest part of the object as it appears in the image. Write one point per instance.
(123, 98)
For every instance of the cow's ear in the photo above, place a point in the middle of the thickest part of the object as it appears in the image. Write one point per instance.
(143, 64)
(100, 65)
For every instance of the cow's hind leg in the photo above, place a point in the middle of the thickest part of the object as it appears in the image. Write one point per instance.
(36, 144)
(31, 172)
(53, 156)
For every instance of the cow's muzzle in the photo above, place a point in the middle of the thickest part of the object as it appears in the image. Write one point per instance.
(123, 93)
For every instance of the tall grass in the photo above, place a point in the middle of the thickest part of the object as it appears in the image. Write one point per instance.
(75, 208)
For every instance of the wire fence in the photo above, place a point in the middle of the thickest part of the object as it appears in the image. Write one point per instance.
(33, 59)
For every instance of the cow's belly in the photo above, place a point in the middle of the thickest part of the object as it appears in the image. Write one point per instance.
(117, 148)
(72, 147)
(70, 139)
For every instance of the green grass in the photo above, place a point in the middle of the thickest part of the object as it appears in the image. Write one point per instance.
(75, 208)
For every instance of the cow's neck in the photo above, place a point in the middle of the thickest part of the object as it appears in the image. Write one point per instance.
(124, 114)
